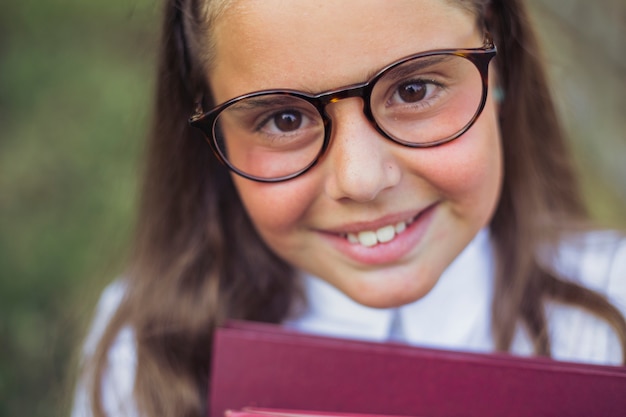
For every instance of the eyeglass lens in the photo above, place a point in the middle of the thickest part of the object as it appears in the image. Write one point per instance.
(422, 101)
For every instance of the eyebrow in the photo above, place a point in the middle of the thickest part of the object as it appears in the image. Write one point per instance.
(416, 64)
(281, 99)
(251, 103)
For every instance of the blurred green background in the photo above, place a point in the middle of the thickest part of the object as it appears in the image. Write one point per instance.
(75, 84)
(75, 95)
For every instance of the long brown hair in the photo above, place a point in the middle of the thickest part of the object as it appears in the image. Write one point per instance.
(199, 260)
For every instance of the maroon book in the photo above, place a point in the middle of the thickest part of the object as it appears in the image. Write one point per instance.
(261, 365)
(279, 412)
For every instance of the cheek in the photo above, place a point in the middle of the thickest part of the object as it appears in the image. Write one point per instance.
(468, 171)
(278, 211)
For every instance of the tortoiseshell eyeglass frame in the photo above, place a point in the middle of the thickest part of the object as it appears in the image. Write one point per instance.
(206, 121)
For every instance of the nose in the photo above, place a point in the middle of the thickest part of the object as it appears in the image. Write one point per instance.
(361, 162)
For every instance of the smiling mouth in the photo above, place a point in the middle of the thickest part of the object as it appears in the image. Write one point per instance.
(385, 234)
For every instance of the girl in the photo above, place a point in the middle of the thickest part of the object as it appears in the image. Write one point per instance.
(374, 169)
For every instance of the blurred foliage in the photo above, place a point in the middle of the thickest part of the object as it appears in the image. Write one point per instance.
(75, 86)
(589, 94)
(75, 89)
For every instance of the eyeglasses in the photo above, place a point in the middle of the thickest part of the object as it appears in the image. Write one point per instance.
(420, 101)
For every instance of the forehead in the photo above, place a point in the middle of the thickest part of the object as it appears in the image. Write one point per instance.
(321, 45)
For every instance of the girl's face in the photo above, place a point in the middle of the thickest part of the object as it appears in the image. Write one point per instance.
(442, 195)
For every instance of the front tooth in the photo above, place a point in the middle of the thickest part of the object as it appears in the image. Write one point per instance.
(385, 234)
(400, 227)
(368, 238)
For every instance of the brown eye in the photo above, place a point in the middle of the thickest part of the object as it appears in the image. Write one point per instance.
(413, 91)
(288, 121)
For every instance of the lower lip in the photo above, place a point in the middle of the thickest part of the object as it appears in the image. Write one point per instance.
(390, 252)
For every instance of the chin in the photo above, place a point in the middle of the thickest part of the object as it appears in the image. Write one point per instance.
(389, 296)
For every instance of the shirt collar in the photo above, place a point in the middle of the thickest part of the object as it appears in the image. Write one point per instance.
(455, 314)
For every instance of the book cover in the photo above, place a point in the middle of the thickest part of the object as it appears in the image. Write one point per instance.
(267, 366)
(279, 412)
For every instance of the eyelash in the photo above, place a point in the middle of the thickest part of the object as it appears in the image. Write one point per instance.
(394, 91)
(277, 134)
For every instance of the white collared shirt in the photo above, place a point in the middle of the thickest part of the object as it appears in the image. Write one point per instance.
(456, 313)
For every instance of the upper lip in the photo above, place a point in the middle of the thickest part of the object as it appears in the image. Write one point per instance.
(391, 219)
